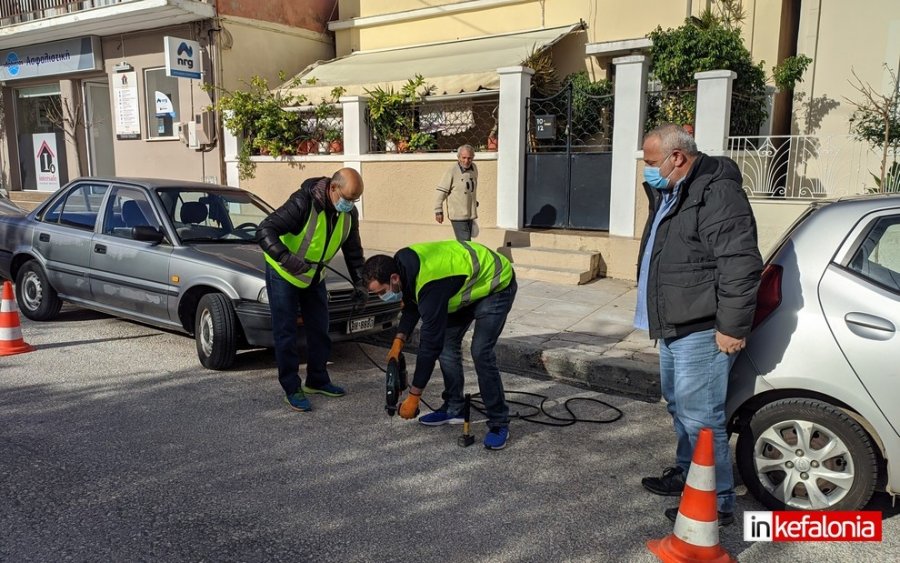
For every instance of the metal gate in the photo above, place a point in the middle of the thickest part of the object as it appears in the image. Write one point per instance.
(568, 160)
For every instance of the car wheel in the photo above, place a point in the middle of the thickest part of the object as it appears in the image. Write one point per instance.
(36, 298)
(808, 455)
(215, 331)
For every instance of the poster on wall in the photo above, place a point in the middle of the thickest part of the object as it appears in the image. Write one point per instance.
(46, 161)
(128, 117)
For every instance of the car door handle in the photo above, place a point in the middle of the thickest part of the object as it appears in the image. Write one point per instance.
(869, 326)
(100, 248)
(44, 237)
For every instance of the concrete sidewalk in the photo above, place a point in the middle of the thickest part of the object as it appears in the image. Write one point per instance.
(578, 334)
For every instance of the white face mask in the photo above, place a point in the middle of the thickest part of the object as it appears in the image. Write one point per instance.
(343, 206)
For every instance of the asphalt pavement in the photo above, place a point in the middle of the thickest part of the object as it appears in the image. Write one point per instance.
(115, 445)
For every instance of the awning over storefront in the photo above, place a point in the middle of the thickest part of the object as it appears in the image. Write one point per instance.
(453, 67)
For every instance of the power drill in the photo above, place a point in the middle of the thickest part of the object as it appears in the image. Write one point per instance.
(395, 380)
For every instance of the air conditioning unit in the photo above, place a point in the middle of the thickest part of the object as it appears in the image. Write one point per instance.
(183, 132)
(204, 123)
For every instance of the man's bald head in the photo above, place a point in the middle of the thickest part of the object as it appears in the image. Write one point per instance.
(348, 183)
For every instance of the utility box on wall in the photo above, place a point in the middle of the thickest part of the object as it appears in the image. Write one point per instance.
(199, 132)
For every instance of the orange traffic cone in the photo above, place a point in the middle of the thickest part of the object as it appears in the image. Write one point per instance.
(696, 534)
(10, 332)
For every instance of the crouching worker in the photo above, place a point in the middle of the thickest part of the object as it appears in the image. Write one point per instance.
(448, 285)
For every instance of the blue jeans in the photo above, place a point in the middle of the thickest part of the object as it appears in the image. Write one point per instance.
(489, 315)
(284, 301)
(694, 378)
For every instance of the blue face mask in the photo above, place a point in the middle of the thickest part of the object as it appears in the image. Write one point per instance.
(654, 179)
(343, 206)
(391, 296)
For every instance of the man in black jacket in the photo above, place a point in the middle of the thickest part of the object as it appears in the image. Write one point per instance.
(298, 239)
(697, 279)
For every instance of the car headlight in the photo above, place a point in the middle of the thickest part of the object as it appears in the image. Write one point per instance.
(263, 296)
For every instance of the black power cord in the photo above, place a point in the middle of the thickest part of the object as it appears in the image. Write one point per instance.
(536, 410)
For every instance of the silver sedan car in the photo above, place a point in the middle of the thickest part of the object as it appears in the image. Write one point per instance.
(812, 396)
(176, 255)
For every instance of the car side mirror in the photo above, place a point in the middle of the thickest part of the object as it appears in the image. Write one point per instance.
(147, 234)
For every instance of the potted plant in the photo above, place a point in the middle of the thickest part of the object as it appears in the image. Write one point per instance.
(258, 117)
(335, 139)
(421, 142)
(390, 113)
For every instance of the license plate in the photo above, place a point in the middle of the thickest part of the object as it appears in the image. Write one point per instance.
(359, 325)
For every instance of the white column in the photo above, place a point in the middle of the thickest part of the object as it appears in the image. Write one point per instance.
(628, 131)
(356, 136)
(515, 86)
(713, 110)
(231, 144)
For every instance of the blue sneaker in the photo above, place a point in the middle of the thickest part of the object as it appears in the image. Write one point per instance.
(298, 402)
(439, 418)
(496, 438)
(329, 390)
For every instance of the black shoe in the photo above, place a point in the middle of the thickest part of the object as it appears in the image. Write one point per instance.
(725, 518)
(669, 485)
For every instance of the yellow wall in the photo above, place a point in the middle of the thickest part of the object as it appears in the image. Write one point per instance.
(841, 38)
(607, 20)
(286, 49)
(275, 180)
(405, 192)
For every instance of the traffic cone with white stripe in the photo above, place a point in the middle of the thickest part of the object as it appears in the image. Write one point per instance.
(696, 534)
(10, 331)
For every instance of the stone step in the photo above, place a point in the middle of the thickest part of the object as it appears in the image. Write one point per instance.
(555, 258)
(567, 276)
(585, 241)
(28, 200)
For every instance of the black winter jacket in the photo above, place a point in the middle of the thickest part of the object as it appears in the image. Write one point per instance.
(292, 216)
(705, 264)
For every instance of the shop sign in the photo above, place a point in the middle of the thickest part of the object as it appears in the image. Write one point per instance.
(50, 59)
(128, 117)
(46, 161)
(182, 57)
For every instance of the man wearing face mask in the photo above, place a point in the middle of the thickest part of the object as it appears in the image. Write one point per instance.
(697, 279)
(448, 285)
(298, 239)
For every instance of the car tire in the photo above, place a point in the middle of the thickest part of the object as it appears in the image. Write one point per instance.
(790, 438)
(35, 296)
(215, 331)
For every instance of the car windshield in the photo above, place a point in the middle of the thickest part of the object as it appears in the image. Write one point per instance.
(213, 215)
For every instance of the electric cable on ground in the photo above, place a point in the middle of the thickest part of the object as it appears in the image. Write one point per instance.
(538, 410)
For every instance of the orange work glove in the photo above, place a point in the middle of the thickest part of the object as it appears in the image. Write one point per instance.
(410, 407)
(396, 347)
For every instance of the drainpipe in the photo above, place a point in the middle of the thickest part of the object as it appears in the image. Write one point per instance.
(689, 9)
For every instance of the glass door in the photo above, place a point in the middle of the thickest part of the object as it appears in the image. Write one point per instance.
(98, 122)
(40, 136)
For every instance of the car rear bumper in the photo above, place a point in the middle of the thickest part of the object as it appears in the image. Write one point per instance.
(256, 323)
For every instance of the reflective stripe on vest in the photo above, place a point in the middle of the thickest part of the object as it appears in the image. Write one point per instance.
(310, 245)
(486, 271)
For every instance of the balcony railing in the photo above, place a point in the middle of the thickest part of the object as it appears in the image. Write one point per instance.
(18, 11)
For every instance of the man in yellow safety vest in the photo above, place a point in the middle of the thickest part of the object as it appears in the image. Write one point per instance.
(448, 285)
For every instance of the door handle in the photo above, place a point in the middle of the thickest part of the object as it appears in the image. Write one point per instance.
(100, 248)
(869, 326)
(44, 237)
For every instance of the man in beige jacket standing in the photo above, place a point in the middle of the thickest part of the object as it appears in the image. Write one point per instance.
(458, 187)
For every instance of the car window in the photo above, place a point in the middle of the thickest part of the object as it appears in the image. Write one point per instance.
(212, 215)
(127, 208)
(78, 208)
(878, 256)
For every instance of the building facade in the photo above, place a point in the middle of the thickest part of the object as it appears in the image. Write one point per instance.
(123, 87)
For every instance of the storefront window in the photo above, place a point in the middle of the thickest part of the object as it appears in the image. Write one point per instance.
(41, 140)
(161, 93)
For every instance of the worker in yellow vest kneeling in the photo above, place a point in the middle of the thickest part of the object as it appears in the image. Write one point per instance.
(449, 285)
